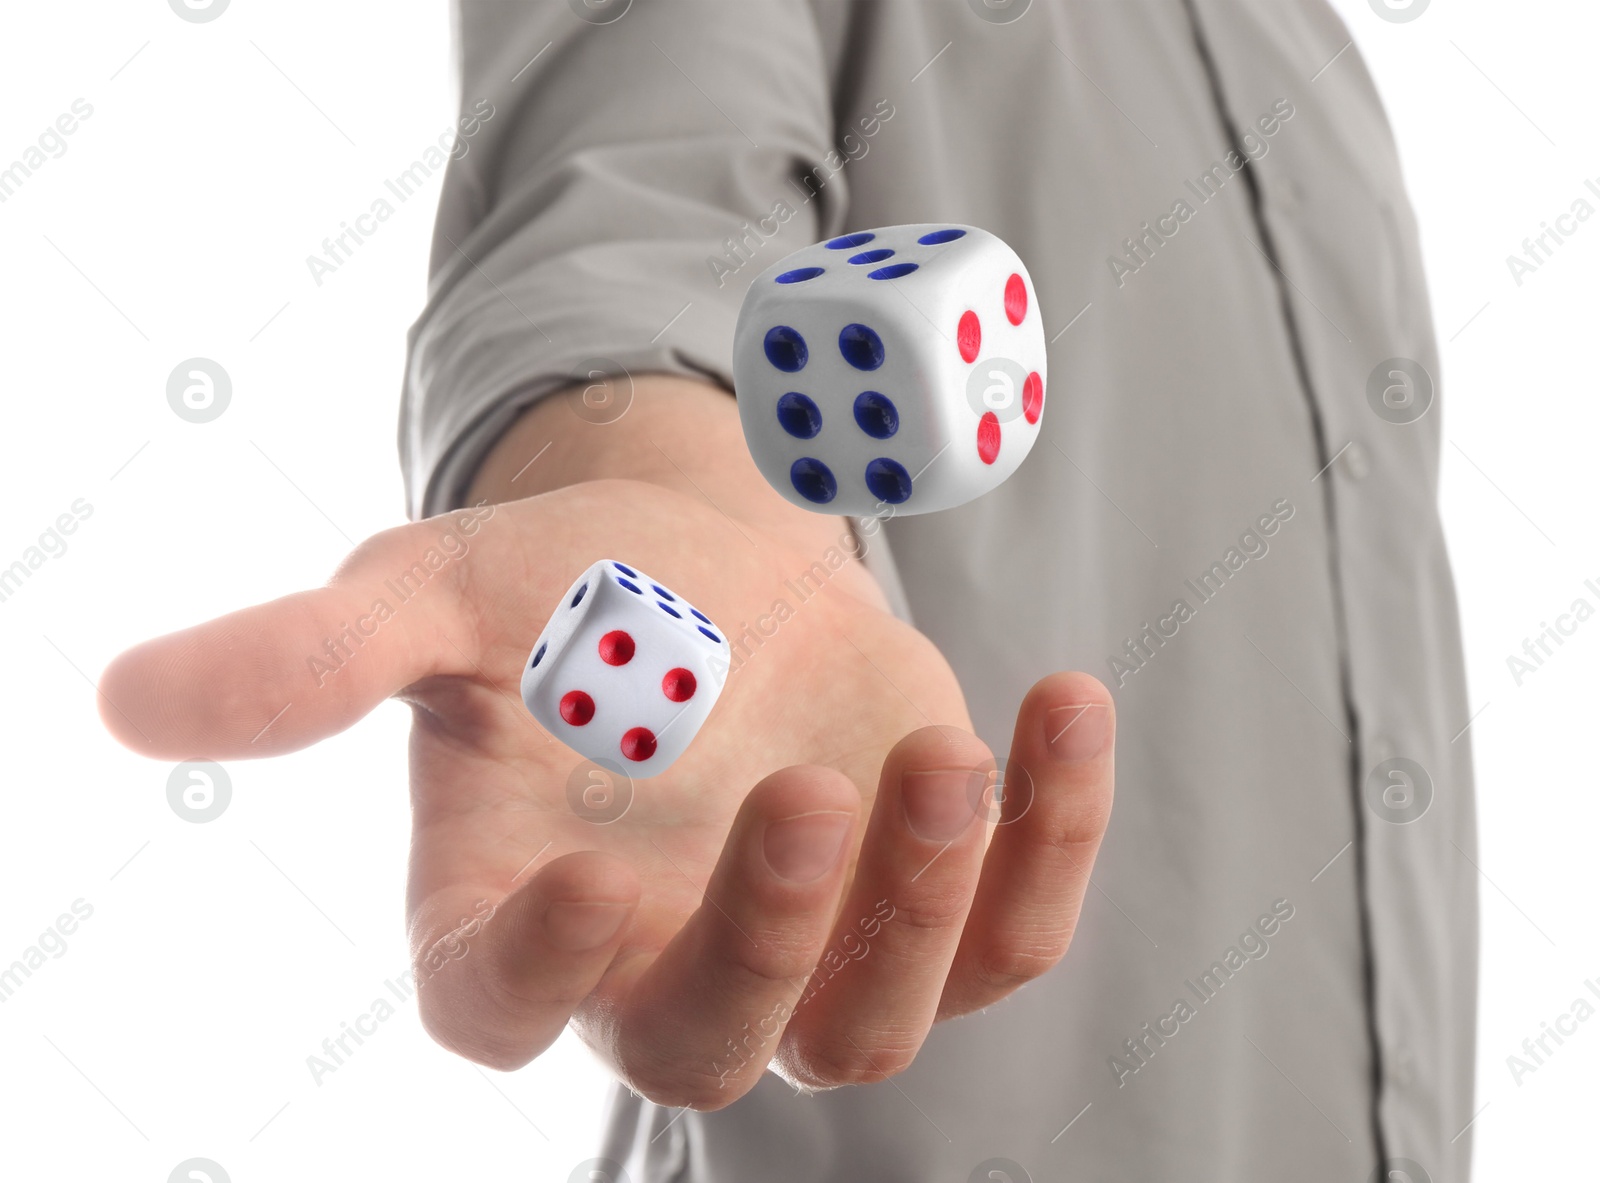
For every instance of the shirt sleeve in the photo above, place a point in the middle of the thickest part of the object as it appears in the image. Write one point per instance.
(616, 163)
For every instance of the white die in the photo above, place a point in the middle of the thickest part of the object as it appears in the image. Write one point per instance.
(898, 370)
(626, 671)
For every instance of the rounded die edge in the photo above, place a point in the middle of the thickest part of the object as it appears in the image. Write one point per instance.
(564, 620)
(902, 238)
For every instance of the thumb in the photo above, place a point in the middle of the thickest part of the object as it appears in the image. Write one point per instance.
(285, 674)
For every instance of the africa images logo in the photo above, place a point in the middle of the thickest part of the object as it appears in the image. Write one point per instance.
(198, 12)
(1398, 12)
(999, 12)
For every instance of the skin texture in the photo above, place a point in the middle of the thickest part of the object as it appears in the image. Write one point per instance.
(833, 823)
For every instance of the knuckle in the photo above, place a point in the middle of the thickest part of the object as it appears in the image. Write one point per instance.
(1073, 835)
(1090, 816)
(828, 1063)
(511, 1001)
(932, 913)
(1004, 968)
(773, 960)
(378, 549)
(679, 1084)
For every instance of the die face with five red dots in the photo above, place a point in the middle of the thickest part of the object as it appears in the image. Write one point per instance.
(626, 671)
(897, 370)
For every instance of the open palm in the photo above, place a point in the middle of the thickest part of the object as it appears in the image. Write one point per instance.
(825, 829)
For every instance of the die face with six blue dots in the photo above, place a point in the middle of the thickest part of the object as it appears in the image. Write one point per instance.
(894, 370)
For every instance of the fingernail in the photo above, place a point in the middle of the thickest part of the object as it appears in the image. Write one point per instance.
(804, 848)
(942, 802)
(576, 926)
(1077, 733)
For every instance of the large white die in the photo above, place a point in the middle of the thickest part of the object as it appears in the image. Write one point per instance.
(897, 370)
(626, 671)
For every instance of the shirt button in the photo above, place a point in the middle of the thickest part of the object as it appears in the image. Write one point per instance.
(1354, 462)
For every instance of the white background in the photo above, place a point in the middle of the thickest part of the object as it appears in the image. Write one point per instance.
(177, 223)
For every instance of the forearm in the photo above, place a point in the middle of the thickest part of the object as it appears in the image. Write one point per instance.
(678, 433)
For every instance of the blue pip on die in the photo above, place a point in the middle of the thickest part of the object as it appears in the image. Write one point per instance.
(897, 370)
(626, 671)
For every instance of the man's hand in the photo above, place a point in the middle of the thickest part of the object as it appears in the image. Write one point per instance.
(812, 884)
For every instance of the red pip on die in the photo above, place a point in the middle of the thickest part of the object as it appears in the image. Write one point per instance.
(626, 671)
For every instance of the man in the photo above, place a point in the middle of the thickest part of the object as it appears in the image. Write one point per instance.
(1229, 516)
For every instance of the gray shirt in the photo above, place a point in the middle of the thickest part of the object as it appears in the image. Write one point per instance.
(1229, 517)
